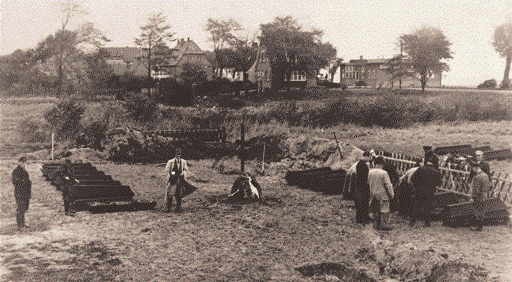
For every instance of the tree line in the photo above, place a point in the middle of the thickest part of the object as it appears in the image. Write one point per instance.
(71, 61)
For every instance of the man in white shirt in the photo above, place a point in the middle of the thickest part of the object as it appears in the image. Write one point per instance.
(381, 190)
(176, 170)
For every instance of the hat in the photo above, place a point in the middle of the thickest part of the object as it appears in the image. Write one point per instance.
(479, 153)
(367, 154)
(22, 159)
(379, 160)
(427, 148)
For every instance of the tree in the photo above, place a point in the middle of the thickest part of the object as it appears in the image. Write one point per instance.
(155, 35)
(424, 49)
(288, 46)
(221, 35)
(63, 54)
(502, 43)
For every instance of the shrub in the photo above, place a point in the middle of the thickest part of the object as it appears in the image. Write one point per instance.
(95, 133)
(31, 131)
(360, 83)
(140, 107)
(173, 93)
(65, 119)
(491, 83)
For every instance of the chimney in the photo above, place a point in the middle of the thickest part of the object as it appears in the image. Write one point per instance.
(188, 38)
(361, 57)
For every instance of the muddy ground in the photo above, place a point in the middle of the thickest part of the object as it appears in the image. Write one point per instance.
(293, 235)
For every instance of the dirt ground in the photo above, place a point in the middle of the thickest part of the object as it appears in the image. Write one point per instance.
(213, 240)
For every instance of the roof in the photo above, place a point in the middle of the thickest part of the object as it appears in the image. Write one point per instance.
(124, 53)
(368, 61)
(184, 48)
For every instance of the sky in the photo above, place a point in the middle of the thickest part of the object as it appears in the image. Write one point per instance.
(355, 28)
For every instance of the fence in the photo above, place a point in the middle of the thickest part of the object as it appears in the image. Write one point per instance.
(455, 176)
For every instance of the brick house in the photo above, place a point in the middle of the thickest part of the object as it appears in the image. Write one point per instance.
(374, 72)
(262, 75)
(127, 60)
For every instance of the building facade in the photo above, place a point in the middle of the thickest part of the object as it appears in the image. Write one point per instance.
(374, 73)
(261, 73)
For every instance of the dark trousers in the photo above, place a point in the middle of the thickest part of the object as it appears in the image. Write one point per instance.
(422, 209)
(22, 208)
(362, 204)
(69, 198)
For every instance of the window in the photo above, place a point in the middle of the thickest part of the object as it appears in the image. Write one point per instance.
(298, 76)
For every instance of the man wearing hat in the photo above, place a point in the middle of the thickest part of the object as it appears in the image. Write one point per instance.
(481, 185)
(424, 182)
(176, 170)
(22, 191)
(381, 190)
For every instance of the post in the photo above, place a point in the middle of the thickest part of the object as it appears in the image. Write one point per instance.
(263, 159)
(53, 141)
(242, 146)
(337, 145)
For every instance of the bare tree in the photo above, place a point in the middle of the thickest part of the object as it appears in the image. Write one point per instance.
(502, 43)
(222, 34)
(155, 35)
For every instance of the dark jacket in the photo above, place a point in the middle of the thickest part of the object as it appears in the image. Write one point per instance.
(425, 180)
(361, 187)
(22, 183)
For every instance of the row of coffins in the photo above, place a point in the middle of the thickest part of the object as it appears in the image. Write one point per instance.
(324, 180)
(96, 191)
(450, 207)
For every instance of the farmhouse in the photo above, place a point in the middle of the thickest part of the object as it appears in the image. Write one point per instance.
(374, 73)
(262, 75)
(128, 60)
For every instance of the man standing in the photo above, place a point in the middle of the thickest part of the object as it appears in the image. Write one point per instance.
(176, 170)
(481, 185)
(361, 190)
(424, 181)
(381, 190)
(22, 191)
(68, 181)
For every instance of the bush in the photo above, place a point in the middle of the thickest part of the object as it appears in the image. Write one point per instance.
(361, 83)
(31, 131)
(173, 93)
(65, 119)
(491, 83)
(95, 133)
(140, 107)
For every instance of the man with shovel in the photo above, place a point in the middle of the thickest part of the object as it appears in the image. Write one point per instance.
(177, 186)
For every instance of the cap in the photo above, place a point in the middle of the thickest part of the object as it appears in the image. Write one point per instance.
(427, 147)
(379, 160)
(367, 154)
(22, 159)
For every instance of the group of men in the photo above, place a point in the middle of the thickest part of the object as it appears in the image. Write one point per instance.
(375, 184)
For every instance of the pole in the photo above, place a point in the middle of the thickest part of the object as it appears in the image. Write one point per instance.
(263, 159)
(337, 145)
(242, 146)
(53, 141)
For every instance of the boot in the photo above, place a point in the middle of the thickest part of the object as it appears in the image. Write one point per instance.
(168, 205)
(20, 220)
(384, 225)
(378, 220)
(178, 204)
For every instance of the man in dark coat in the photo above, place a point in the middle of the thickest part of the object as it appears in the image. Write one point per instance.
(424, 181)
(361, 190)
(481, 185)
(67, 177)
(22, 191)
